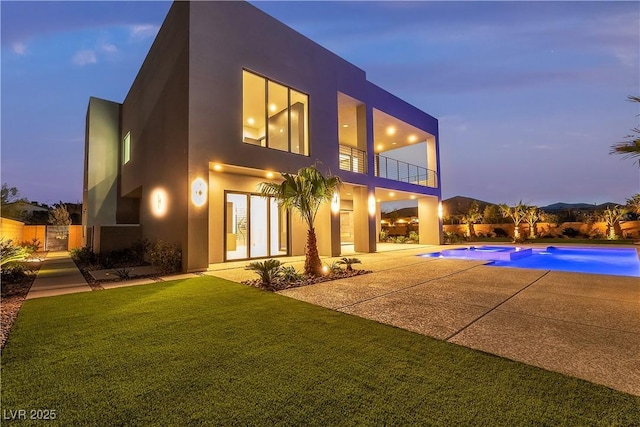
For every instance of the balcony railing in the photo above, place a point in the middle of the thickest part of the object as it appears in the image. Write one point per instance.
(397, 170)
(352, 159)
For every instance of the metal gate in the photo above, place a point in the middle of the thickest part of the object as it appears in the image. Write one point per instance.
(57, 238)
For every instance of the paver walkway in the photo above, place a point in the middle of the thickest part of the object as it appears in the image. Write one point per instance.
(58, 276)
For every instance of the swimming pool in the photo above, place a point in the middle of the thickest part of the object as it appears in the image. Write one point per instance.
(613, 261)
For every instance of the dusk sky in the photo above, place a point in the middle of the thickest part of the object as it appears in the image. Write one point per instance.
(529, 95)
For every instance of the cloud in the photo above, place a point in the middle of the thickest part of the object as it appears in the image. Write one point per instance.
(19, 48)
(108, 48)
(143, 31)
(84, 57)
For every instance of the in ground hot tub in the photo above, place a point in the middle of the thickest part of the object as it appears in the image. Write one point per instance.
(490, 253)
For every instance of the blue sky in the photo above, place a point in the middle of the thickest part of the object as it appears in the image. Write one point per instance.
(530, 95)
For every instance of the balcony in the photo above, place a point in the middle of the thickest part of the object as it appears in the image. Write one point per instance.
(352, 159)
(397, 170)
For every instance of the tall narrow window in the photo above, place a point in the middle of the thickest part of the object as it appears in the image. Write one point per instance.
(274, 116)
(126, 148)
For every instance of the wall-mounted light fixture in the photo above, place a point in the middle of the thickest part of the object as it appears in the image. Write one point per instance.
(159, 202)
(199, 192)
(440, 210)
(372, 205)
(335, 202)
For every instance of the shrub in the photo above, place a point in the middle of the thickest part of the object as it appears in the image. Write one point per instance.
(414, 236)
(167, 257)
(500, 232)
(84, 255)
(383, 235)
(267, 270)
(290, 274)
(570, 232)
(31, 246)
(349, 262)
(123, 273)
(10, 253)
(451, 237)
(334, 267)
(401, 239)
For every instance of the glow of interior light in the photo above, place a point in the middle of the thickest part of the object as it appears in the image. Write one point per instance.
(413, 138)
(217, 167)
(372, 205)
(335, 202)
(379, 147)
(199, 192)
(391, 194)
(391, 131)
(251, 121)
(273, 108)
(158, 202)
(269, 174)
(412, 197)
(345, 126)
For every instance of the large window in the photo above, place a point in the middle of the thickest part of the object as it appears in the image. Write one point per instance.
(274, 116)
(255, 227)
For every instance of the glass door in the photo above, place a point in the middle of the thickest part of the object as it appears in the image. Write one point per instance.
(255, 227)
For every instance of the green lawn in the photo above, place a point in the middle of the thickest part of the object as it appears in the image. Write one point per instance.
(211, 352)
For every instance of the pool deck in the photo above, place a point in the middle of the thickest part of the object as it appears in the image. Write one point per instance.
(583, 325)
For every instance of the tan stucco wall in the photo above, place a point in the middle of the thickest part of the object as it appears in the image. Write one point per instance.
(11, 230)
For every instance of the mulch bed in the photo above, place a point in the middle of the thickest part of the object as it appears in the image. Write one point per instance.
(279, 284)
(14, 291)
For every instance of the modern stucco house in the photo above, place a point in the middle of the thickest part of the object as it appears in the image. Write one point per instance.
(228, 97)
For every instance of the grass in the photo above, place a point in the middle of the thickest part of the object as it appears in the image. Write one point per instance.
(206, 351)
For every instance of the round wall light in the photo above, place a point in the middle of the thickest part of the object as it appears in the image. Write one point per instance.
(199, 192)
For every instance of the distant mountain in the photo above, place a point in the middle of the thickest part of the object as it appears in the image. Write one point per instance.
(576, 206)
(459, 205)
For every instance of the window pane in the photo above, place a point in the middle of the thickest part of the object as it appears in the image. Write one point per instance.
(277, 229)
(253, 105)
(236, 226)
(259, 229)
(299, 123)
(278, 113)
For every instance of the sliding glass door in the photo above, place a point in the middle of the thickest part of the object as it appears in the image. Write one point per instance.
(255, 227)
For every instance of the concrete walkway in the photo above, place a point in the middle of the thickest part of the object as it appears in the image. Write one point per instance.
(58, 276)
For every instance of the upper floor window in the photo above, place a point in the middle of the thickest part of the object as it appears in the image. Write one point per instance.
(126, 148)
(274, 116)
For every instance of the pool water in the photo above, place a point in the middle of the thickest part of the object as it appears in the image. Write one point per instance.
(613, 261)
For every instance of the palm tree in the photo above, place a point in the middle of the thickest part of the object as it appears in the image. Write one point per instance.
(634, 204)
(631, 147)
(472, 216)
(304, 192)
(531, 216)
(517, 214)
(613, 216)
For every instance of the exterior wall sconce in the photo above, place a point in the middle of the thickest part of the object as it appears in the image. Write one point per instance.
(159, 202)
(440, 210)
(199, 192)
(335, 202)
(372, 205)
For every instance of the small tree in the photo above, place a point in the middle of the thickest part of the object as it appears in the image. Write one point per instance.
(633, 204)
(517, 214)
(491, 215)
(471, 217)
(59, 215)
(305, 192)
(532, 216)
(612, 217)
